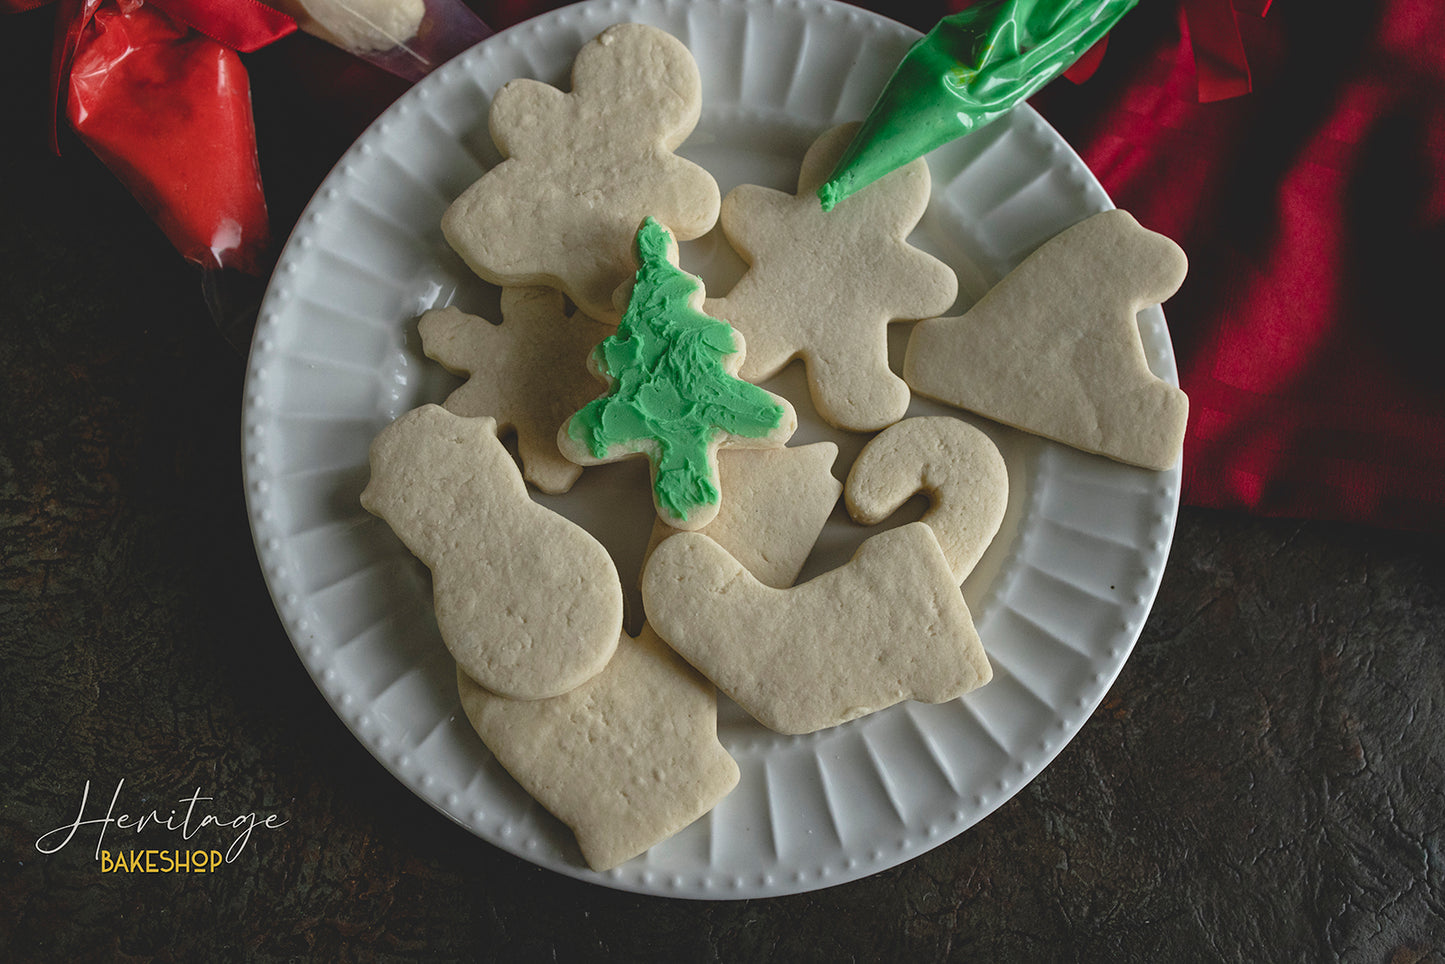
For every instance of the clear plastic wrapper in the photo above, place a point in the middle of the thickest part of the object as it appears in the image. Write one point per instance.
(409, 38)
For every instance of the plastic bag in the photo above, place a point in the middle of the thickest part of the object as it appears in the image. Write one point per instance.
(409, 38)
(169, 112)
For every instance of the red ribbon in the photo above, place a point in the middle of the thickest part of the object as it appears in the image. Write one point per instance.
(1212, 31)
(1211, 28)
(242, 25)
(1083, 68)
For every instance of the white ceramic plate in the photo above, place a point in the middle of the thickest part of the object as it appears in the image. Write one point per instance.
(1059, 599)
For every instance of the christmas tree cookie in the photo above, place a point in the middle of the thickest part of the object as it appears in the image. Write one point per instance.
(778, 501)
(674, 395)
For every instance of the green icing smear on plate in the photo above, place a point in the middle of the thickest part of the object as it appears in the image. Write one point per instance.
(970, 69)
(668, 383)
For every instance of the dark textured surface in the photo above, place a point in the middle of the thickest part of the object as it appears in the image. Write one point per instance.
(1265, 781)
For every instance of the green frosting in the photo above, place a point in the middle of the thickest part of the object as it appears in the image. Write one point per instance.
(668, 383)
(971, 68)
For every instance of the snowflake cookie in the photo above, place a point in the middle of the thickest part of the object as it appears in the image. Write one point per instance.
(529, 373)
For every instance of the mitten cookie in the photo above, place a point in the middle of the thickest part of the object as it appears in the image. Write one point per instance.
(958, 466)
(626, 760)
(1054, 348)
(527, 602)
(889, 625)
(673, 393)
(824, 286)
(529, 373)
(583, 168)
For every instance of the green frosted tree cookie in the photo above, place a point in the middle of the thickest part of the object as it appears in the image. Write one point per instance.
(674, 394)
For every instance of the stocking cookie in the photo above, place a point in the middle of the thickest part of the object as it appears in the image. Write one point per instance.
(527, 602)
(529, 373)
(824, 286)
(959, 468)
(1054, 348)
(889, 625)
(673, 392)
(583, 168)
(626, 760)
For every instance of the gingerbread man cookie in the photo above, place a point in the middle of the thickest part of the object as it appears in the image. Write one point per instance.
(583, 168)
(824, 286)
(529, 373)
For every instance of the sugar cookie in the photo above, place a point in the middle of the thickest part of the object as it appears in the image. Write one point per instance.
(528, 603)
(824, 286)
(777, 502)
(581, 170)
(529, 373)
(1054, 348)
(625, 760)
(958, 466)
(889, 625)
(673, 394)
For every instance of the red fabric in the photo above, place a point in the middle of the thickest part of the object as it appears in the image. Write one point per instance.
(1308, 333)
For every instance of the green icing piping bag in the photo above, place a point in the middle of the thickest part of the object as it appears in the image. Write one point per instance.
(970, 69)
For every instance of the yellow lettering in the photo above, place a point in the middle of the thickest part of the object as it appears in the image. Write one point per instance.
(183, 860)
(106, 864)
(168, 862)
(150, 864)
(215, 859)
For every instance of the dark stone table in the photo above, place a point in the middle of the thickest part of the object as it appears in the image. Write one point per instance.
(1264, 782)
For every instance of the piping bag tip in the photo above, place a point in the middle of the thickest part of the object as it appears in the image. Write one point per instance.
(831, 192)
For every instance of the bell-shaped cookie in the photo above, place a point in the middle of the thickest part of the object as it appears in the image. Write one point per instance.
(778, 501)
